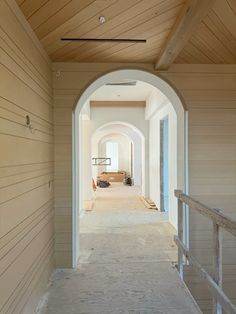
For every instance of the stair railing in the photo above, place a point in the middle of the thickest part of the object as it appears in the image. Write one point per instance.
(220, 222)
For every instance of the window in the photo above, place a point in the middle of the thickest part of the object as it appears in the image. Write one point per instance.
(164, 167)
(112, 151)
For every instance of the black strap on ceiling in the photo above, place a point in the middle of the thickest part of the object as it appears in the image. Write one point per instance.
(118, 40)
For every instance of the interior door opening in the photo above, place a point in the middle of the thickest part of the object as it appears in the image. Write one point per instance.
(162, 166)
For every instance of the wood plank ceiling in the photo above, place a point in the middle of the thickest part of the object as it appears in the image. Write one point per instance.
(214, 40)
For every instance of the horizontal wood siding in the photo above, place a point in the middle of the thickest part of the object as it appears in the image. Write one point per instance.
(26, 165)
(209, 93)
(210, 96)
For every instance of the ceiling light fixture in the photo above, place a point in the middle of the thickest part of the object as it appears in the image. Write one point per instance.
(102, 19)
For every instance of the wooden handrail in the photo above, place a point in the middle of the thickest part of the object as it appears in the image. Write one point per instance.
(220, 221)
(215, 215)
(216, 291)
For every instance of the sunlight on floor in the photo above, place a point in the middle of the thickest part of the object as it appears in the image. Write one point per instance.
(117, 206)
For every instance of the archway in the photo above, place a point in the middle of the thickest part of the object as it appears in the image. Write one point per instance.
(168, 94)
(138, 140)
(94, 135)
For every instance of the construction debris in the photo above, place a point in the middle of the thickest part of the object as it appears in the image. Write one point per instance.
(149, 203)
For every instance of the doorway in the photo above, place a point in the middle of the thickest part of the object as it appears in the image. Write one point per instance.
(166, 95)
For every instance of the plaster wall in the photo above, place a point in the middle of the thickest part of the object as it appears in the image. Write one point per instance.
(134, 117)
(100, 117)
(138, 146)
(154, 164)
(158, 107)
(124, 151)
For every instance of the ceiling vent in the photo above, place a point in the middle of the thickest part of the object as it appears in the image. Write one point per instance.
(122, 83)
(102, 40)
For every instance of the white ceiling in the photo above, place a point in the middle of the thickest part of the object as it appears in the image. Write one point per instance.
(139, 92)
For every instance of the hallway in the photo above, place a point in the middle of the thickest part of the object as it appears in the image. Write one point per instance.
(126, 265)
(157, 79)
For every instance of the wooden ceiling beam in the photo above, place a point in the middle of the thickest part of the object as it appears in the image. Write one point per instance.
(186, 24)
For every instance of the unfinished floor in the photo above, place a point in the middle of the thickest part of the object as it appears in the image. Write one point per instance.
(127, 262)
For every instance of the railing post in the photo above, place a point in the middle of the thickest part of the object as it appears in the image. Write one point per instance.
(220, 222)
(217, 263)
(180, 236)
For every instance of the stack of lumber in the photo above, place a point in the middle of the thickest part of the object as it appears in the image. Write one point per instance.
(149, 203)
(88, 205)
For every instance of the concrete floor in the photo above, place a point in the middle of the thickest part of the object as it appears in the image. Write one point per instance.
(126, 264)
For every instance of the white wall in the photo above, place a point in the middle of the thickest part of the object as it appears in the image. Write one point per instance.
(138, 146)
(103, 116)
(124, 153)
(134, 116)
(157, 109)
(86, 160)
(138, 161)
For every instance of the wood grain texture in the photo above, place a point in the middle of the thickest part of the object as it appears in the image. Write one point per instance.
(148, 19)
(212, 40)
(95, 103)
(216, 216)
(26, 165)
(215, 289)
(188, 20)
(27, 161)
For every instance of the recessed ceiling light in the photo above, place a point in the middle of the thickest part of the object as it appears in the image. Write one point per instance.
(102, 19)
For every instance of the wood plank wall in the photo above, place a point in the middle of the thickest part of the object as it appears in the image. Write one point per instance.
(209, 92)
(26, 165)
(210, 96)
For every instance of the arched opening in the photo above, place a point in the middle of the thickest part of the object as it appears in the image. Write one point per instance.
(137, 152)
(168, 106)
(131, 156)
